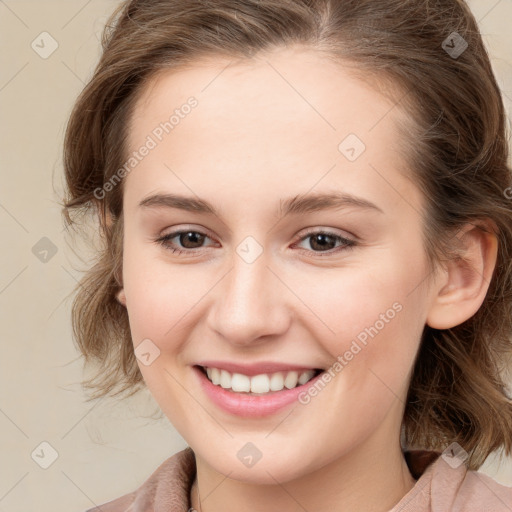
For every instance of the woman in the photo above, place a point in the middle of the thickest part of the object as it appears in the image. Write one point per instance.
(307, 250)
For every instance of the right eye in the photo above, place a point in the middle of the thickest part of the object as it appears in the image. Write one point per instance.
(184, 237)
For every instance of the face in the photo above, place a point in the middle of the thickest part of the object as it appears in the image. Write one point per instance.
(312, 284)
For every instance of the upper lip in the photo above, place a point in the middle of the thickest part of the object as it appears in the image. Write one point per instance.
(251, 369)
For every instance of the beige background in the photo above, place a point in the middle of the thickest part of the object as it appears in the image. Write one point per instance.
(105, 449)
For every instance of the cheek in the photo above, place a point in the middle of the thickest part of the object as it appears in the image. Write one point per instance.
(375, 315)
(160, 294)
(364, 302)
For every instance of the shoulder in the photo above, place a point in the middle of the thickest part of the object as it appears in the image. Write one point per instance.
(457, 489)
(445, 484)
(166, 489)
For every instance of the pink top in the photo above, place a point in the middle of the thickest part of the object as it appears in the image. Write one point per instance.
(440, 487)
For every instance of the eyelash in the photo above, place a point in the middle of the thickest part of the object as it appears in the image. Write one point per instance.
(347, 242)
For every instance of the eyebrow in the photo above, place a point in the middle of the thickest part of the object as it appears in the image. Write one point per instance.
(299, 204)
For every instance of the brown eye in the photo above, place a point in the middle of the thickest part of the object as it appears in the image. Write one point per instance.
(325, 242)
(186, 240)
(322, 241)
(190, 238)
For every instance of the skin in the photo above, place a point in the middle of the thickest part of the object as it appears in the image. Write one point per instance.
(264, 130)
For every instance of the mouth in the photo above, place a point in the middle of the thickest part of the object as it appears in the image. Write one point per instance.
(258, 385)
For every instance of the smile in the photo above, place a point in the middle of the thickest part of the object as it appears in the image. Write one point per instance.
(254, 396)
(258, 384)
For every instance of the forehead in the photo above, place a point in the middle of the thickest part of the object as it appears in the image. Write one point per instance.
(297, 81)
(282, 120)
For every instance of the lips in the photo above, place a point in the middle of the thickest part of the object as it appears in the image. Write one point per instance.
(249, 405)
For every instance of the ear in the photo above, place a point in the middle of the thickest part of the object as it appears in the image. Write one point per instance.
(104, 215)
(121, 297)
(106, 220)
(464, 281)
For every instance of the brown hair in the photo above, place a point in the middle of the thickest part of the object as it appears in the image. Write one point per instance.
(457, 153)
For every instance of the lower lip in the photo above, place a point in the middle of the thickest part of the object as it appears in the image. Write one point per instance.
(251, 406)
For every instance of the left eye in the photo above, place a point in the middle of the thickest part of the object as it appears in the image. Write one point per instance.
(324, 240)
(320, 239)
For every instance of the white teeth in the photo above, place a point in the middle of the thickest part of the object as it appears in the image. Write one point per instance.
(291, 380)
(262, 383)
(225, 379)
(304, 377)
(276, 382)
(240, 382)
(215, 378)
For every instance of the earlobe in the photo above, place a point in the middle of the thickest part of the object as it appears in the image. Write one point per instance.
(466, 279)
(105, 217)
(121, 297)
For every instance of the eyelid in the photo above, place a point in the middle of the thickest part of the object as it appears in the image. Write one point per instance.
(174, 232)
(331, 231)
(185, 229)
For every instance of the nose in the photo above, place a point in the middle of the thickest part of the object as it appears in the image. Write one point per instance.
(250, 304)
